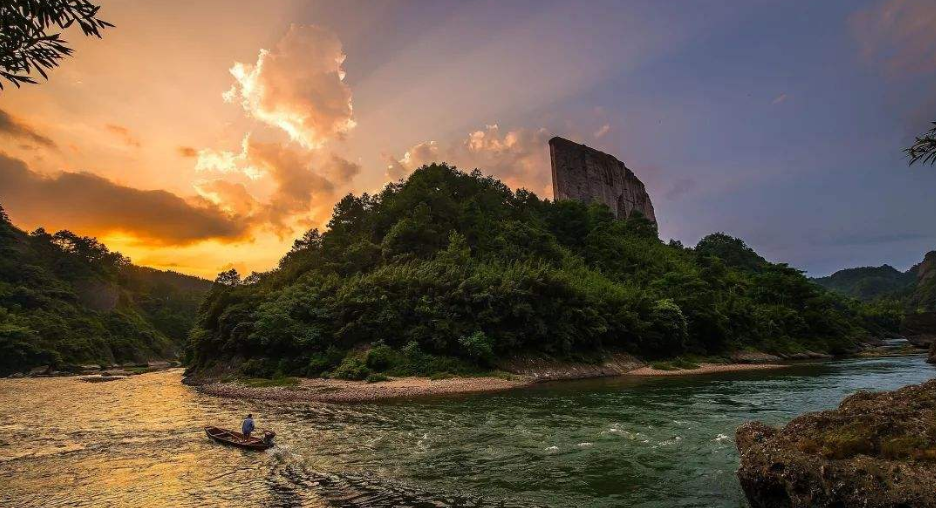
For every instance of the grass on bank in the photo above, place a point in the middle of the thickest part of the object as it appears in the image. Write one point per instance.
(860, 438)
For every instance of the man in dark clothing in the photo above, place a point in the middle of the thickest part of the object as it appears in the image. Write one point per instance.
(248, 426)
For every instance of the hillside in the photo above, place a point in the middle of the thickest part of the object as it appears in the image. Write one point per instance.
(67, 300)
(450, 272)
(868, 283)
(915, 289)
(923, 298)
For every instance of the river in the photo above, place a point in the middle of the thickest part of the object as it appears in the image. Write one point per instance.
(622, 441)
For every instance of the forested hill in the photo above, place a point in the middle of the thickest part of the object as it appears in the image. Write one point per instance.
(451, 271)
(67, 300)
(868, 283)
(914, 289)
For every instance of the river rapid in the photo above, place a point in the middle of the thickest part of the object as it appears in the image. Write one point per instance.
(643, 442)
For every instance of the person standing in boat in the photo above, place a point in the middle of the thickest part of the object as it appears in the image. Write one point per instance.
(247, 427)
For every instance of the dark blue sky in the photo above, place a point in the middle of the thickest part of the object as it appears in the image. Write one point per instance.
(779, 122)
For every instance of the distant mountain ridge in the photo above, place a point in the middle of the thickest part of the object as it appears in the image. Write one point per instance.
(915, 288)
(68, 300)
(868, 283)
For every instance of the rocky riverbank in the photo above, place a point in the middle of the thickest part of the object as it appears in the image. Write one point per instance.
(523, 373)
(705, 368)
(516, 372)
(343, 391)
(875, 450)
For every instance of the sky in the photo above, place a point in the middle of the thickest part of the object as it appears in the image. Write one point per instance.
(200, 136)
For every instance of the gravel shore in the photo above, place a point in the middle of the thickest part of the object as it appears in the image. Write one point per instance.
(341, 391)
(706, 368)
(337, 390)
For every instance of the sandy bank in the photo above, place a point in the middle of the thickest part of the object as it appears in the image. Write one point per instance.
(337, 390)
(705, 368)
(341, 391)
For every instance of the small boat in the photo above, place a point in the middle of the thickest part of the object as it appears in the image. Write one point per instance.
(230, 437)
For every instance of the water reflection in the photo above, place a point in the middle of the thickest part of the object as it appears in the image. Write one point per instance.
(607, 442)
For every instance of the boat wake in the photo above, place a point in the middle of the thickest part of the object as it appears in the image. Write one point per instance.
(360, 490)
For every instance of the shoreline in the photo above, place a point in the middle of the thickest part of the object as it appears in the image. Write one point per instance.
(343, 391)
(707, 368)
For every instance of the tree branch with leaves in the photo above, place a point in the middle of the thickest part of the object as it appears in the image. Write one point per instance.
(924, 148)
(26, 44)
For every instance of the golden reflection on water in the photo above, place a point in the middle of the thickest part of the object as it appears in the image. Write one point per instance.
(608, 442)
(133, 442)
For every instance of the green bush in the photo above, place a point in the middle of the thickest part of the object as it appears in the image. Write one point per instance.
(353, 368)
(320, 363)
(381, 357)
(376, 378)
(417, 362)
(478, 347)
(258, 368)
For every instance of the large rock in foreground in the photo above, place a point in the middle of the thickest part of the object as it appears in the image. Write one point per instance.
(875, 450)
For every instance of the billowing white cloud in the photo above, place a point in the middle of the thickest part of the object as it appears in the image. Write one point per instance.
(520, 158)
(424, 153)
(223, 161)
(298, 86)
(306, 183)
(232, 197)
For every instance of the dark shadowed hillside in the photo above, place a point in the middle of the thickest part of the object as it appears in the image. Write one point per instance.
(868, 283)
(66, 300)
(912, 292)
(923, 298)
(450, 271)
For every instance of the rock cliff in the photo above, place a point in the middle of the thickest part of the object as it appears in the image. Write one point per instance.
(875, 450)
(919, 328)
(585, 174)
(927, 268)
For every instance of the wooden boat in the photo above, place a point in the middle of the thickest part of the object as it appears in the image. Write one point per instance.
(230, 437)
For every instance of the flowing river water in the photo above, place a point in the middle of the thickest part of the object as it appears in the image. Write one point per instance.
(622, 441)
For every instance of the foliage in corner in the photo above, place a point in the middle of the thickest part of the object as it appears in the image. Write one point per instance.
(26, 44)
(924, 148)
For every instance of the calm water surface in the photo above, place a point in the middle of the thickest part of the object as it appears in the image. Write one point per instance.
(611, 442)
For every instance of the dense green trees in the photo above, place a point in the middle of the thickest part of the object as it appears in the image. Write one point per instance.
(67, 299)
(450, 270)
